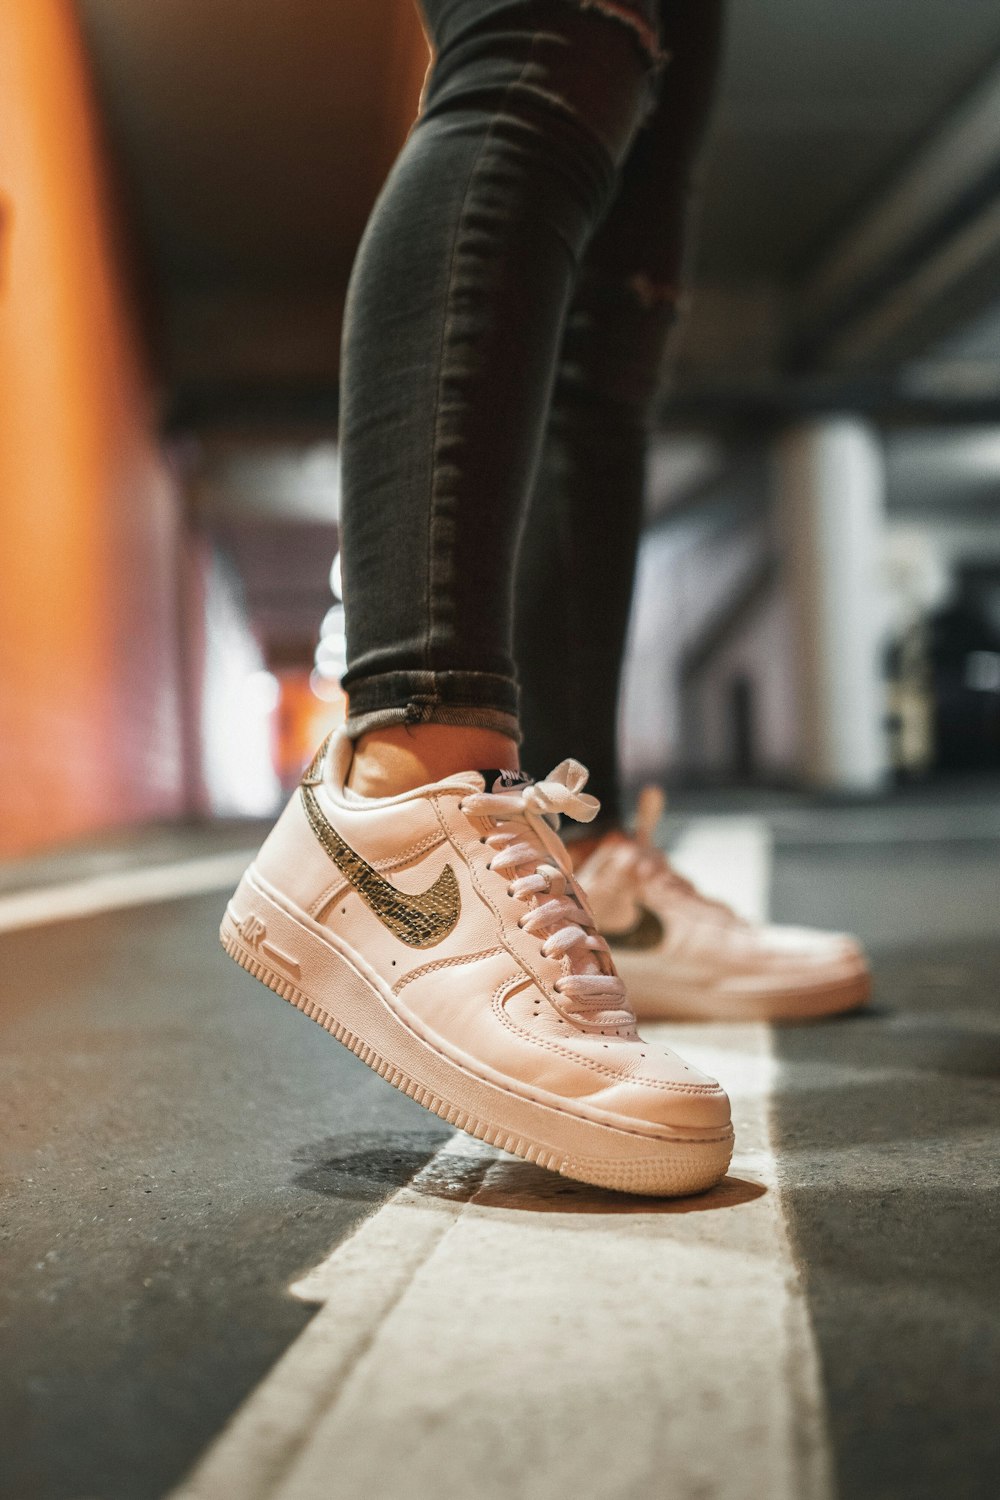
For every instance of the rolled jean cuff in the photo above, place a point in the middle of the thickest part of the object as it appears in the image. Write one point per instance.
(477, 700)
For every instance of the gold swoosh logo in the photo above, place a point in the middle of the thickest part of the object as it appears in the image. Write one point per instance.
(645, 932)
(419, 921)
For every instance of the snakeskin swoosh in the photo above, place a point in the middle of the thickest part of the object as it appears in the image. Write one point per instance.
(418, 920)
(645, 932)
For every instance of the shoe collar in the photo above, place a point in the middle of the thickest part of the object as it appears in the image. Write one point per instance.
(332, 761)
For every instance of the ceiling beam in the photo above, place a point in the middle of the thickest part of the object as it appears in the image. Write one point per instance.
(933, 226)
(949, 286)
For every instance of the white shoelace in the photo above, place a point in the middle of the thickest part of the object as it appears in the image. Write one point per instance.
(645, 863)
(567, 927)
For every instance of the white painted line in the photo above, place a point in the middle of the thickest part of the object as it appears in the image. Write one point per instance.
(497, 1332)
(122, 888)
(360, 1285)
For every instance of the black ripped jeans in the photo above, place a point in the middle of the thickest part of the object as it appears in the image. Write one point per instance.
(504, 336)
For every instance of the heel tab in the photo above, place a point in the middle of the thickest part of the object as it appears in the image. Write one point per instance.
(648, 812)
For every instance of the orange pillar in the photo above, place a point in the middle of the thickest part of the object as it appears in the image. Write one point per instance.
(89, 515)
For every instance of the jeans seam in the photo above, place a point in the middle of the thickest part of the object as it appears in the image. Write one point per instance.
(626, 15)
(445, 339)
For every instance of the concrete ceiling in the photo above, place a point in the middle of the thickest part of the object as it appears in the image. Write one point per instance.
(253, 139)
(820, 105)
(851, 206)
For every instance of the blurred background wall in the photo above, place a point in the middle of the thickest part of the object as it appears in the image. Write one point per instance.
(90, 531)
(182, 189)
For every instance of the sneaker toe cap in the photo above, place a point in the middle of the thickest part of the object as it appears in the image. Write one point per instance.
(812, 946)
(662, 1089)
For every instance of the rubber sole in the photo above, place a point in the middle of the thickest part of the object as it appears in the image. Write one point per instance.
(286, 951)
(657, 998)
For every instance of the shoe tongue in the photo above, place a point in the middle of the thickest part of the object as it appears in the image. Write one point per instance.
(499, 781)
(495, 780)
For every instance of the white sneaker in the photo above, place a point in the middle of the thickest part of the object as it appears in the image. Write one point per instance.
(441, 937)
(684, 957)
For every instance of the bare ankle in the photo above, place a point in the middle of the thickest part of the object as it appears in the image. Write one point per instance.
(389, 761)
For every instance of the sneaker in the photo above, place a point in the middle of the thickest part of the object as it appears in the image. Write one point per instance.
(440, 935)
(685, 957)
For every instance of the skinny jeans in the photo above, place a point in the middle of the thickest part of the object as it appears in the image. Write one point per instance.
(504, 335)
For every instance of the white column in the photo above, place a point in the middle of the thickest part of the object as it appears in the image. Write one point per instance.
(830, 484)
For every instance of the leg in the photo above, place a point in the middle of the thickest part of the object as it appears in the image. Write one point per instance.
(577, 562)
(454, 318)
(439, 932)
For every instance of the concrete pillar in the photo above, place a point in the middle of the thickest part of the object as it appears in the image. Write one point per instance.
(830, 484)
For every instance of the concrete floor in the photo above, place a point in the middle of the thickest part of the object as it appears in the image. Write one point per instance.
(887, 1132)
(178, 1146)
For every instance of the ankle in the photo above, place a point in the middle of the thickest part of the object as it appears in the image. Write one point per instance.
(398, 759)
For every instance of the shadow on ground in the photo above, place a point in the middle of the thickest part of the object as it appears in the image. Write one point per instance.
(363, 1167)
